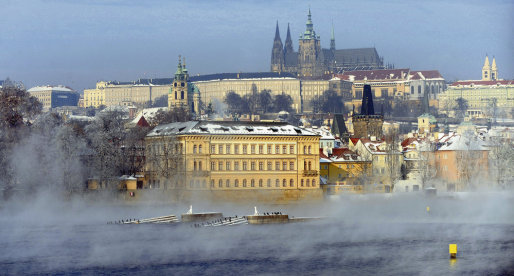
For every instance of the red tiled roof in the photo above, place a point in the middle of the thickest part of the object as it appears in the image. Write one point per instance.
(428, 74)
(322, 155)
(142, 122)
(481, 82)
(408, 141)
(354, 140)
(384, 74)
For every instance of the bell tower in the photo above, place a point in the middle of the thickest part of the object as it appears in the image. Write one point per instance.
(178, 96)
(494, 70)
(486, 70)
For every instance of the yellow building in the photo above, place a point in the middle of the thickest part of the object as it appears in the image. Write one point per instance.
(129, 93)
(222, 157)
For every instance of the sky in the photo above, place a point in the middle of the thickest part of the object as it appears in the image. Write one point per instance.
(79, 42)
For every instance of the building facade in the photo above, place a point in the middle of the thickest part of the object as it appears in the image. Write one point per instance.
(55, 96)
(367, 124)
(233, 156)
(312, 61)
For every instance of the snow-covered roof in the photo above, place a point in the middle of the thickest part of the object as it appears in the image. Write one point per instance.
(148, 113)
(324, 132)
(459, 142)
(230, 128)
(50, 88)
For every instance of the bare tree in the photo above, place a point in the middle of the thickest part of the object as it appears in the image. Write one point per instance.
(393, 157)
(501, 161)
(165, 160)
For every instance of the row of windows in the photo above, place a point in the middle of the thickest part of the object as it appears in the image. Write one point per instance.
(227, 165)
(253, 149)
(260, 183)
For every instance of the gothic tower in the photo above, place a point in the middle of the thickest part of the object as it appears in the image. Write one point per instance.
(494, 70)
(332, 40)
(277, 53)
(310, 55)
(486, 69)
(367, 123)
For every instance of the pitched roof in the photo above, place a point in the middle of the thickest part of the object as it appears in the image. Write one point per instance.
(356, 56)
(428, 74)
(381, 74)
(142, 122)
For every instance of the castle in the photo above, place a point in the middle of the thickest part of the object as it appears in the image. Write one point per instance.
(312, 61)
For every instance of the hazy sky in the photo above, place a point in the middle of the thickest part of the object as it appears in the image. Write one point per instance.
(77, 43)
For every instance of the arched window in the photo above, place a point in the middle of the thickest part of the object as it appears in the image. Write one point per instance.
(199, 165)
(194, 149)
(236, 183)
(252, 183)
(182, 95)
(419, 89)
(314, 183)
(284, 183)
(304, 149)
(433, 90)
(309, 165)
(308, 183)
(309, 149)
(304, 165)
(227, 183)
(412, 89)
(301, 183)
(244, 182)
(200, 149)
(277, 183)
(260, 183)
(220, 183)
(212, 183)
(269, 183)
(194, 166)
(291, 183)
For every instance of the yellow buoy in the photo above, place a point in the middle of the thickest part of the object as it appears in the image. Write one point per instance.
(453, 251)
(428, 209)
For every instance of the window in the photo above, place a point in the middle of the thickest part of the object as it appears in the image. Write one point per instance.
(291, 183)
(220, 166)
(228, 165)
(304, 149)
(236, 166)
(253, 166)
(284, 149)
(194, 149)
(244, 182)
(245, 166)
(252, 183)
(245, 147)
(269, 183)
(309, 149)
(194, 166)
(277, 166)
(291, 166)
(220, 183)
(212, 183)
(260, 183)
(277, 149)
(412, 89)
(284, 183)
(227, 183)
(200, 149)
(309, 165)
(252, 148)
(236, 183)
(269, 149)
(236, 149)
(261, 149)
(314, 183)
(419, 89)
(291, 149)
(220, 149)
(277, 183)
(270, 166)
(227, 151)
(284, 166)
(199, 165)
(301, 183)
(261, 166)
(307, 183)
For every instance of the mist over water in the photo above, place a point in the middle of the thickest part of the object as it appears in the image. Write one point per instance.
(364, 235)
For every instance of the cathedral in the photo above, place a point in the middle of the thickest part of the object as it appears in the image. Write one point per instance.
(312, 61)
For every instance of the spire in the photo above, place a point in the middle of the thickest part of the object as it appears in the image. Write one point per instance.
(288, 47)
(486, 63)
(332, 39)
(179, 66)
(277, 33)
(367, 101)
(309, 30)
(493, 66)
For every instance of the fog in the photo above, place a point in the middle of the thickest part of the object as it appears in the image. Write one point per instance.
(363, 234)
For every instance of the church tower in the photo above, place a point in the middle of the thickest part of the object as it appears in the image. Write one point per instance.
(486, 70)
(333, 40)
(178, 96)
(310, 54)
(494, 70)
(277, 53)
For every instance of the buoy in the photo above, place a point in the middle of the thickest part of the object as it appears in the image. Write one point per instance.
(453, 250)
(428, 209)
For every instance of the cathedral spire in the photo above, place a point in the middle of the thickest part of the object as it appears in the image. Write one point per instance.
(486, 69)
(277, 33)
(486, 63)
(494, 70)
(332, 39)
(493, 66)
(309, 30)
(288, 47)
(367, 101)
